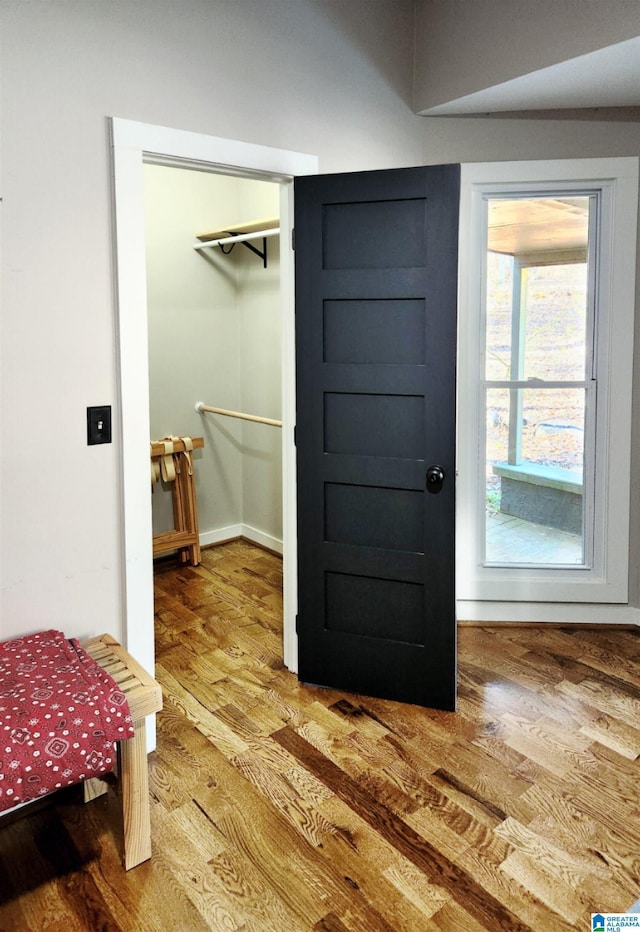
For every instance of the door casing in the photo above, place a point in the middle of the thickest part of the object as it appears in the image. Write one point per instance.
(133, 144)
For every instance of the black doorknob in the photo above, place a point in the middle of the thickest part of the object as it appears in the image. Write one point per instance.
(435, 478)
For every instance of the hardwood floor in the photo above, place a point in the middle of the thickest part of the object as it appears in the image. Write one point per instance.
(277, 806)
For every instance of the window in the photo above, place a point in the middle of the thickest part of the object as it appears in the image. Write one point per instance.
(546, 331)
(539, 380)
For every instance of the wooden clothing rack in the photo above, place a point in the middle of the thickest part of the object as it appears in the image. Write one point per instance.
(172, 459)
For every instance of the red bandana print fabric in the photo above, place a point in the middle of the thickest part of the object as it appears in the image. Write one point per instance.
(60, 714)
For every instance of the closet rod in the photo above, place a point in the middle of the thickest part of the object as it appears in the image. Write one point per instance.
(239, 238)
(201, 407)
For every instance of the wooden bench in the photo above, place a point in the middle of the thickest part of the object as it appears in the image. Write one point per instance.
(144, 696)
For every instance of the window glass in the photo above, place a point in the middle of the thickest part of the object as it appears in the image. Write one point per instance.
(535, 506)
(536, 343)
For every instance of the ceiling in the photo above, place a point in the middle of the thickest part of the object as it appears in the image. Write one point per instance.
(527, 227)
(607, 78)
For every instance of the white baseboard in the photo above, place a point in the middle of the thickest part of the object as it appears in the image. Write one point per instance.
(220, 534)
(565, 613)
(262, 538)
(233, 531)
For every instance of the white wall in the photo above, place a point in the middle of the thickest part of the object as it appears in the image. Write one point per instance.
(472, 139)
(464, 46)
(214, 336)
(260, 381)
(193, 334)
(319, 76)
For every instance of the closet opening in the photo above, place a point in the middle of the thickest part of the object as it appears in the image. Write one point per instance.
(215, 338)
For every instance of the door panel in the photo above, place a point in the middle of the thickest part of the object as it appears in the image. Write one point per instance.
(374, 332)
(352, 234)
(373, 425)
(376, 293)
(370, 516)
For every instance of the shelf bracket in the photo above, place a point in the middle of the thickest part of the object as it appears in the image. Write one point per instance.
(258, 252)
(230, 238)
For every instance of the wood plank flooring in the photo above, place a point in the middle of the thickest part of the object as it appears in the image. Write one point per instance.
(278, 807)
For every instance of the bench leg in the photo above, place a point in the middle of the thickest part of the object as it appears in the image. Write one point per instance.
(93, 788)
(134, 781)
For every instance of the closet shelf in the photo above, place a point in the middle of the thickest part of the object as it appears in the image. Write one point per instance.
(253, 226)
(241, 233)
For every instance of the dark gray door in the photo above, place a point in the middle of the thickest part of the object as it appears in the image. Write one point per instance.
(376, 294)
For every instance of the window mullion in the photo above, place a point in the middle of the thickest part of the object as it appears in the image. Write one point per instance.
(536, 383)
(516, 371)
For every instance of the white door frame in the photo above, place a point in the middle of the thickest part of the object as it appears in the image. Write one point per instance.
(133, 144)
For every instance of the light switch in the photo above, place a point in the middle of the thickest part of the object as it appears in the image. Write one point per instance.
(99, 425)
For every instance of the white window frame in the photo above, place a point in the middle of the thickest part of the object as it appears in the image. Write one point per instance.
(605, 580)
